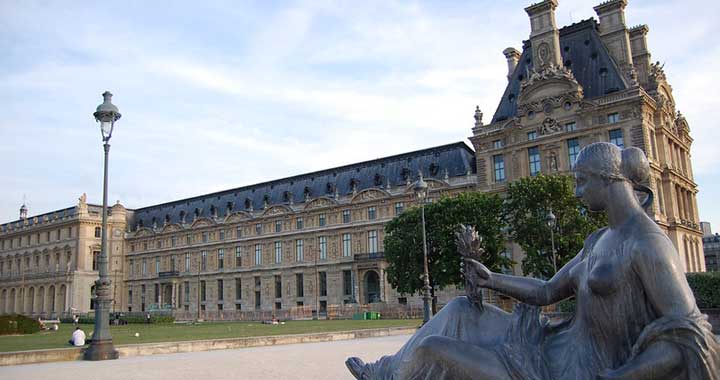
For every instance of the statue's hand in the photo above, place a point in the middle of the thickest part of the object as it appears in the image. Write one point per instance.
(476, 273)
(469, 243)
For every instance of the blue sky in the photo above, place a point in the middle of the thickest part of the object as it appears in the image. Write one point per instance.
(216, 95)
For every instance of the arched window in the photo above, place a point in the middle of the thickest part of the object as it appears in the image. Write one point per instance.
(92, 297)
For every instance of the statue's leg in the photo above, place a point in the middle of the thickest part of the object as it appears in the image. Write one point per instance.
(459, 319)
(439, 357)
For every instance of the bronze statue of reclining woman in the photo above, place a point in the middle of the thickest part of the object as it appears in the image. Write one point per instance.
(636, 317)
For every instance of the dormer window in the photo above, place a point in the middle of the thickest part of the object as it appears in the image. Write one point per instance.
(378, 179)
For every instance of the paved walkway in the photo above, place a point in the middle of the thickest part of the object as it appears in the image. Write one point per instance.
(296, 361)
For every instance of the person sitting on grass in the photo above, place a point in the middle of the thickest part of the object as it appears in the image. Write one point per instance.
(78, 338)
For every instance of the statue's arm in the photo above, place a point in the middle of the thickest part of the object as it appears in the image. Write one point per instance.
(657, 264)
(534, 291)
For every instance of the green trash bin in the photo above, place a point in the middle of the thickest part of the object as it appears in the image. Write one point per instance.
(359, 316)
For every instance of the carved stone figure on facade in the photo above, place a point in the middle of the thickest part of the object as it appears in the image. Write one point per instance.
(552, 162)
(478, 117)
(657, 71)
(636, 317)
(549, 126)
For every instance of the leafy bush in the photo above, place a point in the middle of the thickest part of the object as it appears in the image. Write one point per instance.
(86, 320)
(706, 287)
(566, 305)
(18, 324)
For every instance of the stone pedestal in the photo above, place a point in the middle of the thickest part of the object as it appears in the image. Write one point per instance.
(101, 350)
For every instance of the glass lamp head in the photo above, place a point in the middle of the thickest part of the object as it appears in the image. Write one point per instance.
(550, 219)
(107, 114)
(421, 188)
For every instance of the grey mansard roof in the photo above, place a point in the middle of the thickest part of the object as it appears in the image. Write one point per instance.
(588, 59)
(456, 159)
(37, 220)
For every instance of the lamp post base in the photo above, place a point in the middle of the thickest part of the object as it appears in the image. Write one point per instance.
(101, 350)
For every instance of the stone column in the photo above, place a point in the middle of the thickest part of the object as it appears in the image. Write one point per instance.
(382, 284)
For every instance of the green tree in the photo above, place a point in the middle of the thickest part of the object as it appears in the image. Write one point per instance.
(403, 240)
(527, 204)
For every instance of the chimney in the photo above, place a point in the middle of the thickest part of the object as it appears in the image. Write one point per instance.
(640, 52)
(613, 31)
(544, 35)
(512, 56)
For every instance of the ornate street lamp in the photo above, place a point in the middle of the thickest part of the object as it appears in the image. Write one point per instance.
(421, 192)
(551, 221)
(101, 346)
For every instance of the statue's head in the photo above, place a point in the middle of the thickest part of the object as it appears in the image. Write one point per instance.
(600, 164)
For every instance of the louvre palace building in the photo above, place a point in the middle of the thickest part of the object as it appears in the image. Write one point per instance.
(314, 242)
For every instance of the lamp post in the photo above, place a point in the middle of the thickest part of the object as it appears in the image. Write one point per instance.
(551, 221)
(421, 191)
(101, 346)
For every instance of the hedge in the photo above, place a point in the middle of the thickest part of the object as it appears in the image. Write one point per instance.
(153, 319)
(126, 318)
(706, 287)
(18, 324)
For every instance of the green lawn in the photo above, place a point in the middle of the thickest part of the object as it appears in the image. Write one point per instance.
(179, 332)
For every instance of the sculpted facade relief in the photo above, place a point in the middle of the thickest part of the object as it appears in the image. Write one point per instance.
(547, 89)
(319, 203)
(370, 194)
(549, 126)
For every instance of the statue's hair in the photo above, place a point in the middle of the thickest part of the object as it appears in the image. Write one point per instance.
(609, 161)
